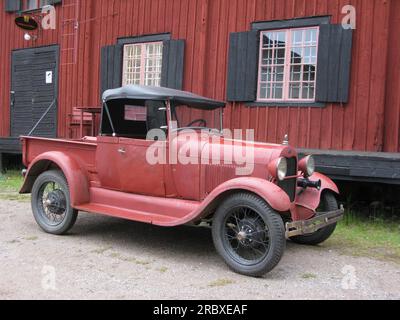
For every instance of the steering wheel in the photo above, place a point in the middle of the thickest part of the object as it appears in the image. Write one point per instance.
(200, 121)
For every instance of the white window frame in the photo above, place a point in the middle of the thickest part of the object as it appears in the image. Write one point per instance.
(287, 81)
(142, 68)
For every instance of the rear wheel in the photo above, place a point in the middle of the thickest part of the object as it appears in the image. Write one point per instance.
(51, 204)
(328, 203)
(248, 234)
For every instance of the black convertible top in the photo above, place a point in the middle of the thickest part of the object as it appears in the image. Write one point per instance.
(136, 92)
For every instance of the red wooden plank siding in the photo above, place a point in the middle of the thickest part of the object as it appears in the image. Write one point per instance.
(369, 122)
(392, 110)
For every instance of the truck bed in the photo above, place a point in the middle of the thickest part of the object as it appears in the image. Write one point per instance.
(83, 150)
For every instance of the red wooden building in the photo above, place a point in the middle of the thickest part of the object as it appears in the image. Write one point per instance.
(283, 66)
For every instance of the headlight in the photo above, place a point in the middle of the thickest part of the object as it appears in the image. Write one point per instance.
(307, 166)
(278, 168)
(281, 168)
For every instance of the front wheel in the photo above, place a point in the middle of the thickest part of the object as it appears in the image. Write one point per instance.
(51, 204)
(328, 203)
(248, 234)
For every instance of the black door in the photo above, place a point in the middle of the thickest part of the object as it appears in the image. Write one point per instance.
(34, 92)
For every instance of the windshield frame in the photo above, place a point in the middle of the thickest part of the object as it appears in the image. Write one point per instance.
(173, 117)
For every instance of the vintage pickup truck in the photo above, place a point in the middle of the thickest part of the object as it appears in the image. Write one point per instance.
(162, 158)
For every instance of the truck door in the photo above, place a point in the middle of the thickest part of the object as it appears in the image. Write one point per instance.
(138, 175)
(122, 160)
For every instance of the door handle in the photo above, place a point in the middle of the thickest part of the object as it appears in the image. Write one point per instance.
(122, 150)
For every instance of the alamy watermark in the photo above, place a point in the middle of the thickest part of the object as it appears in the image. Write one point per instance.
(49, 278)
(191, 147)
(349, 280)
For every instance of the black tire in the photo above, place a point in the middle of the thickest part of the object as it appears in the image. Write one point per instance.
(266, 234)
(56, 217)
(328, 203)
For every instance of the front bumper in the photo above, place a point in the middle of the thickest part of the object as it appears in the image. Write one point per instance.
(298, 228)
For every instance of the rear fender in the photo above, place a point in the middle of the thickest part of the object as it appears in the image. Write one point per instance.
(310, 198)
(75, 175)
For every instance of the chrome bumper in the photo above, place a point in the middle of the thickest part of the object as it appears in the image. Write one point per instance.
(325, 219)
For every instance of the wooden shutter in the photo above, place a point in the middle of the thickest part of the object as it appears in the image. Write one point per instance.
(12, 5)
(334, 64)
(243, 66)
(111, 67)
(173, 64)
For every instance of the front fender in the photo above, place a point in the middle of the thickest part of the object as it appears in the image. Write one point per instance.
(310, 198)
(270, 192)
(76, 177)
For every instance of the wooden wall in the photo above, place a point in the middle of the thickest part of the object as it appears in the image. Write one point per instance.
(369, 122)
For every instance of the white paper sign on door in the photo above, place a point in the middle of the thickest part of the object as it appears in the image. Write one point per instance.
(49, 77)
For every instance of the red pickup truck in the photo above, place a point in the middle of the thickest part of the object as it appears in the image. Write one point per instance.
(162, 158)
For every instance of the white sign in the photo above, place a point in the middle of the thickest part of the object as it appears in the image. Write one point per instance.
(49, 77)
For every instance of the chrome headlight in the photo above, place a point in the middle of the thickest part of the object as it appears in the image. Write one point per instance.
(307, 166)
(281, 169)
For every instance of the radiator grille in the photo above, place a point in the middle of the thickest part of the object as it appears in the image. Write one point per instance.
(290, 185)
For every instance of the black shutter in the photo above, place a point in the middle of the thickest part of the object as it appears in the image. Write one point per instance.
(243, 66)
(12, 5)
(111, 67)
(334, 64)
(173, 64)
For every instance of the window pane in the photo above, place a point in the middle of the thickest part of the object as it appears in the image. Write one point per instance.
(277, 90)
(296, 55)
(295, 73)
(280, 38)
(266, 74)
(31, 4)
(294, 91)
(267, 40)
(44, 3)
(297, 37)
(278, 73)
(308, 91)
(279, 56)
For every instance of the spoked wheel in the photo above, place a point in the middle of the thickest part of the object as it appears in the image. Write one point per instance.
(51, 203)
(248, 234)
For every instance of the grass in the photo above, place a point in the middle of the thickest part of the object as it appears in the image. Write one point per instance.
(308, 276)
(10, 183)
(220, 283)
(163, 269)
(376, 237)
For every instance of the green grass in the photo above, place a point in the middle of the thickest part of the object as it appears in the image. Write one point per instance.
(10, 183)
(376, 237)
(308, 276)
(220, 283)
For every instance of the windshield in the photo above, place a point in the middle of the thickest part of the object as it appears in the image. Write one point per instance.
(186, 117)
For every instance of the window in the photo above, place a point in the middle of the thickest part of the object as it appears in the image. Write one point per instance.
(142, 64)
(135, 113)
(288, 65)
(35, 4)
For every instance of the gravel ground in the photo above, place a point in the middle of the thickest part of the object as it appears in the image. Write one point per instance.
(106, 258)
